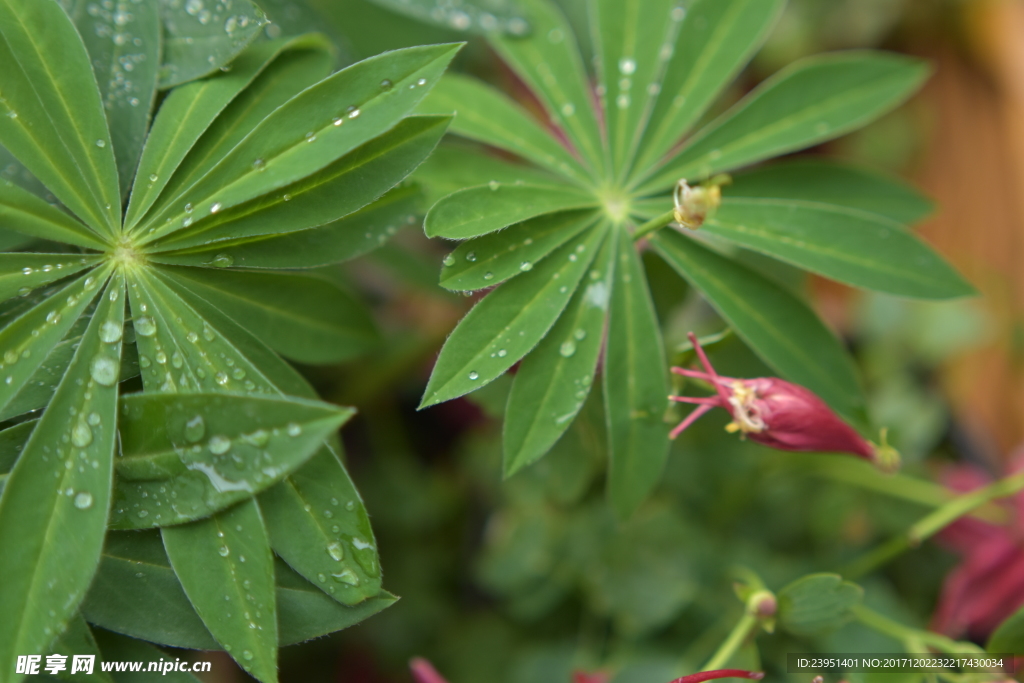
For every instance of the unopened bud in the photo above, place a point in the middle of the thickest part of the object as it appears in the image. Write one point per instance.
(762, 604)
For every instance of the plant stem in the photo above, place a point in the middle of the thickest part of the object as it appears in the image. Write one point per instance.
(656, 223)
(931, 524)
(902, 633)
(740, 632)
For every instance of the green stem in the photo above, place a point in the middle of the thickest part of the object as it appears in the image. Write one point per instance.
(743, 629)
(656, 223)
(902, 633)
(931, 524)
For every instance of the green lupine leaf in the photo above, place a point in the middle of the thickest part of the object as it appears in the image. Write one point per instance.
(554, 380)
(22, 211)
(14, 171)
(28, 340)
(118, 648)
(780, 328)
(548, 60)
(38, 390)
(218, 132)
(303, 317)
(54, 506)
(12, 442)
(634, 39)
(454, 167)
(487, 115)
(11, 241)
(855, 247)
(348, 184)
(817, 604)
(199, 40)
(225, 565)
(20, 273)
(466, 15)
(186, 456)
(341, 240)
(78, 639)
(124, 49)
(318, 523)
(811, 101)
(304, 535)
(510, 321)
(1009, 636)
(480, 210)
(715, 41)
(52, 119)
(137, 593)
(489, 260)
(832, 182)
(635, 385)
(304, 135)
(189, 110)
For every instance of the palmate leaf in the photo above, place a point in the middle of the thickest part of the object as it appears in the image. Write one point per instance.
(195, 333)
(620, 149)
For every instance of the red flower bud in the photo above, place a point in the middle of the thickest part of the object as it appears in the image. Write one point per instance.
(424, 672)
(779, 414)
(702, 676)
(594, 677)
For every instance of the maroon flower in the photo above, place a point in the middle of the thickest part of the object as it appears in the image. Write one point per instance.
(988, 584)
(779, 414)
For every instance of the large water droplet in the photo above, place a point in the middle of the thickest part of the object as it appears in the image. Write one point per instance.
(336, 551)
(449, 260)
(81, 435)
(567, 348)
(474, 375)
(145, 326)
(223, 261)
(246, 655)
(346, 576)
(104, 370)
(195, 429)
(110, 332)
(219, 445)
(223, 551)
(101, 143)
(525, 266)
(471, 256)
(83, 501)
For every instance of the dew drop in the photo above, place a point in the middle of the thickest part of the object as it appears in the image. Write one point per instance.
(223, 261)
(386, 84)
(145, 326)
(580, 334)
(525, 266)
(449, 260)
(246, 655)
(471, 256)
(353, 112)
(221, 378)
(104, 370)
(488, 275)
(567, 349)
(94, 419)
(217, 206)
(83, 501)
(259, 164)
(502, 353)
(627, 66)
(494, 185)
(336, 551)
(219, 445)
(293, 429)
(347, 577)
(110, 332)
(153, 177)
(474, 375)
(81, 435)
(188, 208)
(223, 551)
(195, 429)
(101, 143)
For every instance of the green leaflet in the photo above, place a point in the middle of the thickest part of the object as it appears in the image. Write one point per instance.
(455, 166)
(554, 380)
(467, 15)
(635, 385)
(29, 339)
(495, 119)
(12, 442)
(1009, 636)
(304, 539)
(304, 317)
(858, 248)
(634, 40)
(548, 60)
(117, 648)
(832, 182)
(14, 171)
(78, 640)
(137, 593)
(21, 273)
(489, 260)
(189, 110)
(817, 604)
(12, 241)
(124, 49)
(186, 456)
(199, 40)
(317, 522)
(480, 210)
(303, 135)
(715, 41)
(54, 506)
(341, 240)
(225, 565)
(813, 100)
(28, 214)
(348, 184)
(510, 321)
(777, 326)
(52, 119)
